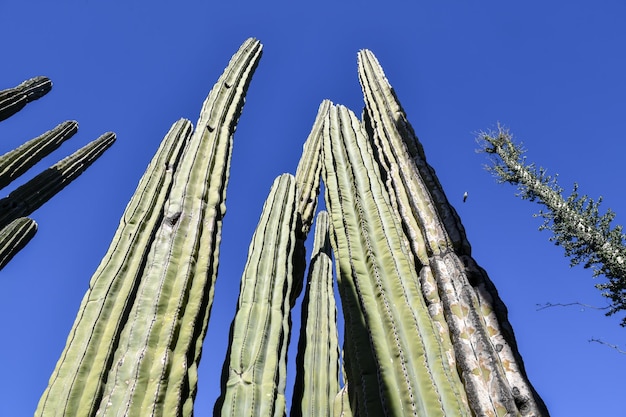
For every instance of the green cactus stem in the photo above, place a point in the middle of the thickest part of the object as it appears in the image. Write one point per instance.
(78, 379)
(308, 188)
(254, 373)
(14, 163)
(462, 300)
(14, 237)
(317, 377)
(341, 406)
(136, 343)
(309, 170)
(14, 99)
(395, 360)
(30, 196)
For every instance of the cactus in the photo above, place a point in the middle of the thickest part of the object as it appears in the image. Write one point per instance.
(458, 291)
(254, 373)
(30, 196)
(16, 162)
(14, 99)
(317, 378)
(14, 237)
(425, 330)
(308, 188)
(135, 345)
(396, 362)
(16, 230)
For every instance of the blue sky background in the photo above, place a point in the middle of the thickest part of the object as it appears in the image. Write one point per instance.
(553, 72)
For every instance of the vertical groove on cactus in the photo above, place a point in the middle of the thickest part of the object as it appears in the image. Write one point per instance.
(254, 373)
(317, 377)
(405, 370)
(484, 346)
(32, 195)
(19, 160)
(14, 99)
(156, 322)
(14, 237)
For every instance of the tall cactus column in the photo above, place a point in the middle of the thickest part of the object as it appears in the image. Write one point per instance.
(135, 345)
(460, 295)
(396, 362)
(317, 379)
(254, 374)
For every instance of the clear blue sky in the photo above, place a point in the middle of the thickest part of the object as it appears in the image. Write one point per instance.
(553, 72)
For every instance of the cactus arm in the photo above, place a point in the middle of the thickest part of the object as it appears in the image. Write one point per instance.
(253, 378)
(14, 99)
(32, 195)
(16, 162)
(484, 346)
(170, 314)
(14, 237)
(317, 377)
(77, 381)
(408, 356)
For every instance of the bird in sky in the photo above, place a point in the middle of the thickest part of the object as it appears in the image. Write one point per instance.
(465, 196)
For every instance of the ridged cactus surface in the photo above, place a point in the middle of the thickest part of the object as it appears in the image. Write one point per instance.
(457, 290)
(135, 345)
(15, 229)
(30, 196)
(396, 359)
(254, 374)
(14, 237)
(425, 334)
(317, 378)
(14, 99)
(14, 163)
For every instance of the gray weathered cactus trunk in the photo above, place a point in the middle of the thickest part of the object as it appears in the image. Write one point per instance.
(457, 290)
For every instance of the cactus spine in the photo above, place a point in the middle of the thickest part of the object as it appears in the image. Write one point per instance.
(317, 378)
(151, 295)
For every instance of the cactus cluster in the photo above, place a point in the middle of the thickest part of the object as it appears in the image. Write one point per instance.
(425, 330)
(16, 229)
